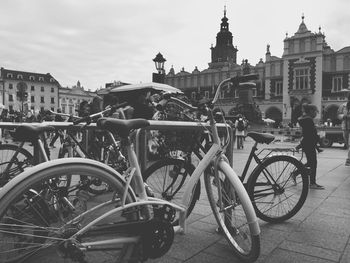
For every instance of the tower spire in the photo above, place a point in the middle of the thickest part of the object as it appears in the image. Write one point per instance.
(224, 10)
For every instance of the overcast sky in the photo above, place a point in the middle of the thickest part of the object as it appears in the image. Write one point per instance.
(101, 41)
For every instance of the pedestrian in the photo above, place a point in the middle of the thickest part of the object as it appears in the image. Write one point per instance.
(240, 131)
(309, 141)
(344, 116)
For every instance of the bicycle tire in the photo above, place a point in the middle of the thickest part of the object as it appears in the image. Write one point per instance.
(10, 167)
(32, 229)
(156, 177)
(274, 194)
(233, 211)
(92, 186)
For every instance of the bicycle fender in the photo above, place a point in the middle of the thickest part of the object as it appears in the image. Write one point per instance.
(31, 171)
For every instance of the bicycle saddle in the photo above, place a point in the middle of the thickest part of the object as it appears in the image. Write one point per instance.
(122, 127)
(30, 132)
(261, 137)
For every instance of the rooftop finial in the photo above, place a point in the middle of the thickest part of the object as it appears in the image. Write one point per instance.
(224, 10)
(302, 17)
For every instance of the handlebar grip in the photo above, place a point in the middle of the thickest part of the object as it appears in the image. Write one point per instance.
(244, 78)
(83, 119)
(121, 105)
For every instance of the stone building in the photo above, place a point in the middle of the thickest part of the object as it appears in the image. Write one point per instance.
(308, 71)
(70, 98)
(40, 90)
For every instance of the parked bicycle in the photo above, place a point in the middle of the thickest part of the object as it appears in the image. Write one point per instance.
(278, 185)
(124, 222)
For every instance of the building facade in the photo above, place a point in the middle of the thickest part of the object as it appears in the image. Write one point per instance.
(70, 98)
(308, 71)
(23, 91)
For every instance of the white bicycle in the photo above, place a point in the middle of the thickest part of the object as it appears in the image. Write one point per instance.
(122, 224)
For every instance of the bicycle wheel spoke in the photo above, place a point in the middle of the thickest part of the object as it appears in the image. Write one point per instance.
(231, 216)
(275, 194)
(41, 216)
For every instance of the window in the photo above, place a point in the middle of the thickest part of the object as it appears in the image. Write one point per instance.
(52, 80)
(32, 78)
(32, 88)
(337, 83)
(193, 95)
(52, 89)
(32, 99)
(10, 108)
(254, 92)
(19, 76)
(70, 109)
(32, 108)
(52, 108)
(206, 94)
(42, 89)
(278, 88)
(42, 109)
(10, 86)
(236, 93)
(301, 78)
(42, 99)
(52, 99)
(9, 75)
(10, 97)
(41, 79)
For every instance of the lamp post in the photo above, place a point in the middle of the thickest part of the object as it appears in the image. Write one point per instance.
(159, 77)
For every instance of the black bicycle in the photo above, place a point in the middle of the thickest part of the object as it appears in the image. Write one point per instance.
(278, 185)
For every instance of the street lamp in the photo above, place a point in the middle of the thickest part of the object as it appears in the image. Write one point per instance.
(159, 63)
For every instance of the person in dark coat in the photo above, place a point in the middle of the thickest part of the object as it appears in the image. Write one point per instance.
(309, 141)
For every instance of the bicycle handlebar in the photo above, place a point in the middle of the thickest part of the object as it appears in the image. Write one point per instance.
(97, 115)
(235, 81)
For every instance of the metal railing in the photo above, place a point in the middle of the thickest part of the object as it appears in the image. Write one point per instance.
(141, 134)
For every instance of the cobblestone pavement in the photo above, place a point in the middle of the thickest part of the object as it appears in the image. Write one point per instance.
(319, 232)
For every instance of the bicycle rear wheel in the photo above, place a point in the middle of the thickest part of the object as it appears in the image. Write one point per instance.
(11, 165)
(233, 212)
(39, 213)
(278, 188)
(167, 179)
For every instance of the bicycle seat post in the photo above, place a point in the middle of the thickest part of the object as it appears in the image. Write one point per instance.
(40, 155)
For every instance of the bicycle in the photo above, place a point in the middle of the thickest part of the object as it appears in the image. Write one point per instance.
(125, 217)
(15, 158)
(278, 185)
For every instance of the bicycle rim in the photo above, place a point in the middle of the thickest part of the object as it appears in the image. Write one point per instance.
(231, 215)
(10, 166)
(167, 180)
(36, 221)
(276, 196)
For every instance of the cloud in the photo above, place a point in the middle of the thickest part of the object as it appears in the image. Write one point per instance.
(101, 41)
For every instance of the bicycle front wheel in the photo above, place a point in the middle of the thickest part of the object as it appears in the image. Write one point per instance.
(278, 188)
(233, 211)
(167, 179)
(39, 214)
(13, 161)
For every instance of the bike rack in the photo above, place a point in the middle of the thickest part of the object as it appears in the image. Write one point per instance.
(141, 134)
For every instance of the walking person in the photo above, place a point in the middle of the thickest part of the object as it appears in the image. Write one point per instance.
(240, 131)
(344, 116)
(309, 141)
